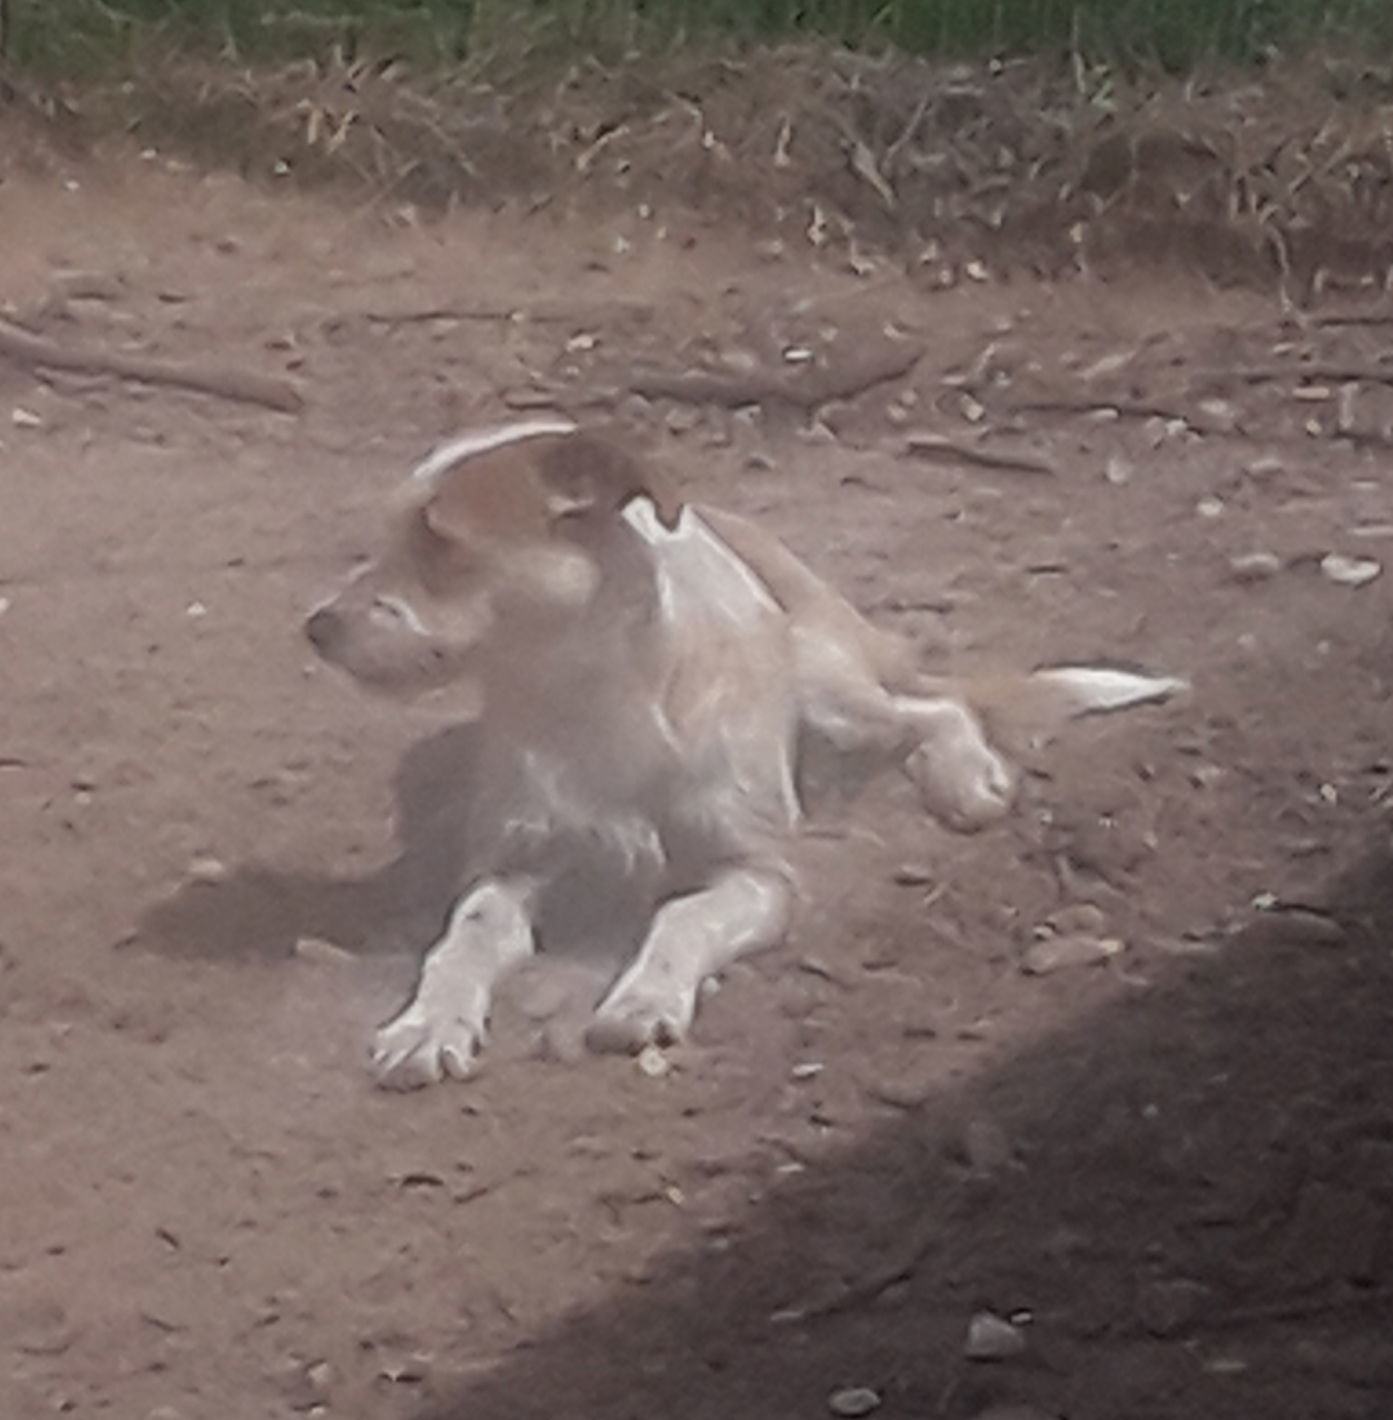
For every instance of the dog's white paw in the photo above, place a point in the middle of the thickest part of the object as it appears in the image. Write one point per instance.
(420, 1048)
(636, 1016)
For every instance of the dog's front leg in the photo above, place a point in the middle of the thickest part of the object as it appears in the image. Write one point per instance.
(692, 937)
(442, 1029)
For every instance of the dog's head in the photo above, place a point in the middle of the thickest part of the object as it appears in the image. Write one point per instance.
(503, 535)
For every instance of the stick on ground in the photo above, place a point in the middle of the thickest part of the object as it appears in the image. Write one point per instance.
(244, 386)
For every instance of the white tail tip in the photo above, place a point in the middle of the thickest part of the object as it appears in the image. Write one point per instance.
(1095, 689)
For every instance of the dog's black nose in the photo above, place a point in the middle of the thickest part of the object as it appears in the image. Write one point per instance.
(321, 627)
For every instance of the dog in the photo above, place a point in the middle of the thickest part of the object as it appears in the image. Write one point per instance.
(651, 679)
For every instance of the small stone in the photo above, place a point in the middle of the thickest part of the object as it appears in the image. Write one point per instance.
(1118, 471)
(208, 870)
(1058, 953)
(854, 1401)
(912, 875)
(1216, 416)
(25, 418)
(1083, 918)
(318, 952)
(1210, 507)
(652, 1062)
(1254, 566)
(1349, 571)
(900, 1094)
(991, 1338)
(808, 1070)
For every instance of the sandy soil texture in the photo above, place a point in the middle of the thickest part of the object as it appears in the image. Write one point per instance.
(1166, 1173)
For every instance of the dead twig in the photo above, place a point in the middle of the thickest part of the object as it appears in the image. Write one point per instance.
(1256, 374)
(811, 386)
(542, 315)
(1369, 318)
(941, 448)
(243, 386)
(1123, 409)
(898, 1268)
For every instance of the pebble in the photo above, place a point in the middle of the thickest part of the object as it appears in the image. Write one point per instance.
(318, 952)
(854, 1401)
(1079, 917)
(990, 1338)
(1349, 571)
(652, 1062)
(1254, 566)
(912, 875)
(1118, 470)
(901, 1094)
(1079, 949)
(208, 870)
(1217, 416)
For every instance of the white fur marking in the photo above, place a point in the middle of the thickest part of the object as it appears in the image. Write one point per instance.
(482, 441)
(692, 560)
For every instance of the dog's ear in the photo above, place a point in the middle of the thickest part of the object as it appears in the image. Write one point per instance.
(589, 473)
(490, 496)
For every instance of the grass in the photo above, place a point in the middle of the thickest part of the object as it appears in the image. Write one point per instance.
(72, 37)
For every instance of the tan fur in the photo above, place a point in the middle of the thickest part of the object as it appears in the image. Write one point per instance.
(648, 680)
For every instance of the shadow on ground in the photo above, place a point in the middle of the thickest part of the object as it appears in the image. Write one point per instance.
(260, 912)
(1187, 1203)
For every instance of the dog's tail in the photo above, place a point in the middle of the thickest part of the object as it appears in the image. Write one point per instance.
(1037, 704)
(962, 779)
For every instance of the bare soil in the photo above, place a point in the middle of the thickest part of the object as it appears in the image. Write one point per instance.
(1172, 1168)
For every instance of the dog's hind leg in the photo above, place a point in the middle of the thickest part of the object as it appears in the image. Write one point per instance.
(442, 1029)
(742, 910)
(938, 740)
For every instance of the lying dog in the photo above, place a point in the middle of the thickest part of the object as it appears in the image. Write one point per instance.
(649, 679)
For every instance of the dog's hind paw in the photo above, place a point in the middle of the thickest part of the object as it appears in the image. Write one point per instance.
(417, 1049)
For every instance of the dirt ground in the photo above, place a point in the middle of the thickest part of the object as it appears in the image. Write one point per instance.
(1168, 1172)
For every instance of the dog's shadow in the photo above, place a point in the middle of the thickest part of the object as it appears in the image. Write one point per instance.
(257, 912)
